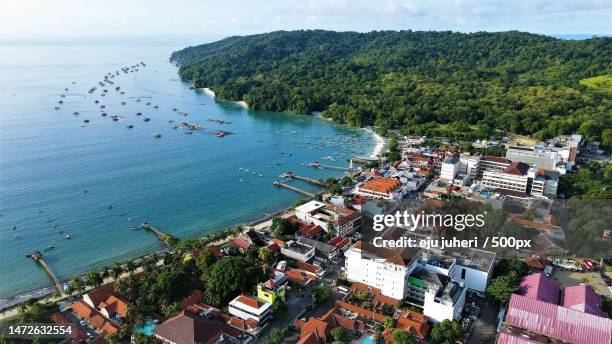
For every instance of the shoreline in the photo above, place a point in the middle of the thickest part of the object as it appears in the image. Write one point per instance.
(380, 143)
(212, 94)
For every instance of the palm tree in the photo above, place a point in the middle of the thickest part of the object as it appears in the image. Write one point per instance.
(130, 266)
(76, 285)
(93, 278)
(116, 270)
(105, 272)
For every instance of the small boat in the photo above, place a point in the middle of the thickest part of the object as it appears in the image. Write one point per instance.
(156, 107)
(14, 227)
(130, 126)
(103, 114)
(135, 228)
(57, 108)
(147, 119)
(84, 190)
(259, 174)
(157, 135)
(122, 103)
(50, 247)
(61, 102)
(130, 219)
(138, 113)
(109, 207)
(67, 236)
(86, 121)
(241, 180)
(96, 101)
(75, 113)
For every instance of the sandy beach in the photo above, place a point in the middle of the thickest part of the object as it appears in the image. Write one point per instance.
(208, 91)
(242, 103)
(380, 143)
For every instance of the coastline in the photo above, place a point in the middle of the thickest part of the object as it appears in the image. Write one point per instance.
(212, 94)
(380, 143)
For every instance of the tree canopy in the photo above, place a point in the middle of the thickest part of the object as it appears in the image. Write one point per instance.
(420, 82)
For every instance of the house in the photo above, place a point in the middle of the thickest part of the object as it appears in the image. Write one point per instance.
(246, 307)
(196, 296)
(299, 276)
(343, 220)
(242, 244)
(77, 335)
(341, 243)
(314, 331)
(298, 250)
(323, 251)
(188, 327)
(272, 289)
(98, 321)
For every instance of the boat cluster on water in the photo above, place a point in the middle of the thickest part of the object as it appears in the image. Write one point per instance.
(102, 90)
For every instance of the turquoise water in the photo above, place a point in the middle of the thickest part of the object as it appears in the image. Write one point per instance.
(367, 339)
(147, 328)
(188, 185)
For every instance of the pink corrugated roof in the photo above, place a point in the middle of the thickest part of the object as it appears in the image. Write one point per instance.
(539, 287)
(558, 322)
(508, 338)
(582, 298)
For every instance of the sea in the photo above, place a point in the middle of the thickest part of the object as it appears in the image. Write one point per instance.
(71, 172)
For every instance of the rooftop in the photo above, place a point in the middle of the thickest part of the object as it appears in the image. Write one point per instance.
(297, 246)
(517, 168)
(472, 258)
(401, 257)
(381, 185)
(539, 287)
(558, 322)
(189, 328)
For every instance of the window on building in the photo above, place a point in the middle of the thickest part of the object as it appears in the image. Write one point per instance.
(463, 273)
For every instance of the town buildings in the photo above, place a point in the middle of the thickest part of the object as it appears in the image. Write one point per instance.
(298, 251)
(382, 188)
(340, 220)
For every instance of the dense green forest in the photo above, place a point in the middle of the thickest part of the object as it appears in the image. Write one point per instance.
(415, 81)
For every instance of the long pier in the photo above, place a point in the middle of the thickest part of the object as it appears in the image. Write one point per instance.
(164, 238)
(363, 160)
(304, 179)
(38, 258)
(290, 187)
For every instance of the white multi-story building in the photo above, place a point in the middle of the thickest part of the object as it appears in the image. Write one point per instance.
(435, 281)
(344, 220)
(469, 165)
(246, 307)
(382, 268)
(539, 157)
(298, 251)
(513, 178)
(450, 168)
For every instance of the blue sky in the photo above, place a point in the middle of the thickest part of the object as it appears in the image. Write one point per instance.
(202, 19)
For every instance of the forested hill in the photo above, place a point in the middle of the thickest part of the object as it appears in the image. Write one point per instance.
(414, 81)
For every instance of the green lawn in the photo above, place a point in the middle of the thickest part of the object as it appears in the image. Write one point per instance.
(602, 83)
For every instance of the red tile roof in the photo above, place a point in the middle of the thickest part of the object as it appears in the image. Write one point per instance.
(317, 326)
(243, 244)
(339, 242)
(311, 268)
(101, 294)
(413, 322)
(196, 296)
(279, 242)
(381, 185)
(496, 159)
(249, 301)
(517, 168)
(299, 276)
(401, 257)
(310, 230)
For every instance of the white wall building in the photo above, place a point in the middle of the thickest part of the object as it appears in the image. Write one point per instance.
(344, 220)
(382, 188)
(245, 307)
(450, 168)
(298, 251)
(382, 268)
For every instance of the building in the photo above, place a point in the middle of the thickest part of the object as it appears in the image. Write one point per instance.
(469, 165)
(542, 312)
(189, 328)
(323, 251)
(473, 267)
(379, 267)
(512, 178)
(492, 163)
(450, 168)
(246, 307)
(298, 251)
(440, 297)
(381, 188)
(539, 157)
(343, 220)
(269, 291)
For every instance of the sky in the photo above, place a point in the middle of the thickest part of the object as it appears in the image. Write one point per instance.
(211, 20)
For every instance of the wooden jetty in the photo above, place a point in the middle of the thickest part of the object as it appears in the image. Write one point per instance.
(362, 159)
(38, 258)
(290, 187)
(290, 175)
(167, 240)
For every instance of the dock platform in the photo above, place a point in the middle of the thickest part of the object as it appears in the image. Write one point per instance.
(38, 258)
(290, 187)
(165, 239)
(312, 181)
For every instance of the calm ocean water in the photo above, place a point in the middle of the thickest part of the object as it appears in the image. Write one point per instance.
(188, 185)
